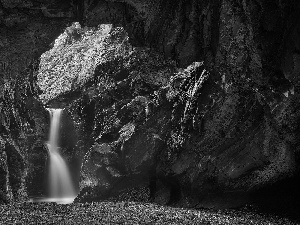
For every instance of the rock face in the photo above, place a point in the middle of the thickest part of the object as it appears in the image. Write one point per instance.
(23, 129)
(191, 103)
(25, 33)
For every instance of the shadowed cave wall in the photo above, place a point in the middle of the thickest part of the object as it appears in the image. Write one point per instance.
(237, 134)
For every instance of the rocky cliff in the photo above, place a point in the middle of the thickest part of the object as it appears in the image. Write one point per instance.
(26, 32)
(190, 103)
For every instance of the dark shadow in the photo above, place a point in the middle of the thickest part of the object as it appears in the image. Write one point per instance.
(281, 198)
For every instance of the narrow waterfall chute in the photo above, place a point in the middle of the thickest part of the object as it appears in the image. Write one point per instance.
(61, 187)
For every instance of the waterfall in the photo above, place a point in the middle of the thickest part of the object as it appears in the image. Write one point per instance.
(61, 187)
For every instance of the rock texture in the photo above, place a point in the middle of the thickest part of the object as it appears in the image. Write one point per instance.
(194, 103)
(23, 129)
(25, 33)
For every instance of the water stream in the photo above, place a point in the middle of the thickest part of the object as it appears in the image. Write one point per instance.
(61, 188)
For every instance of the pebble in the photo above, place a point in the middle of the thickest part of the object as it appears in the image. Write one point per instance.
(128, 213)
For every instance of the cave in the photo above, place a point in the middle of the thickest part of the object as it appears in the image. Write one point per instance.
(184, 104)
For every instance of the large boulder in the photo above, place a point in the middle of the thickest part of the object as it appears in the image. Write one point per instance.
(107, 103)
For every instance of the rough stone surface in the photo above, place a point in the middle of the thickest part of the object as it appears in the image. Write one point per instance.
(23, 126)
(195, 100)
(175, 130)
(25, 33)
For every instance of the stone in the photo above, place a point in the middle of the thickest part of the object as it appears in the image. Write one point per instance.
(16, 3)
(194, 101)
(16, 20)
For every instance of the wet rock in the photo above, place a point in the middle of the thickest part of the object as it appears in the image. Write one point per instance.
(37, 178)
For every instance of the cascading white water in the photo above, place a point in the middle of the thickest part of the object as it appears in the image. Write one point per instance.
(60, 182)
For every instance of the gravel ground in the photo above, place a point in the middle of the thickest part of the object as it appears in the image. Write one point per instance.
(126, 213)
